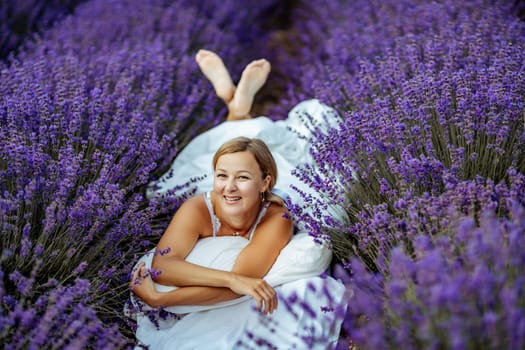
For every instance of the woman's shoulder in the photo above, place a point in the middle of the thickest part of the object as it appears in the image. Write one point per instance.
(276, 213)
(194, 213)
(275, 228)
(275, 208)
(194, 206)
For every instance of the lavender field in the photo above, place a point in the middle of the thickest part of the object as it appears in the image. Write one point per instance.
(426, 162)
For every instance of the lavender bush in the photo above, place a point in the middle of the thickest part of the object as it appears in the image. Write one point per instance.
(460, 290)
(327, 45)
(89, 114)
(20, 19)
(431, 99)
(438, 108)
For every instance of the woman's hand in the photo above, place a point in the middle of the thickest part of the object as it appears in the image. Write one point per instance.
(142, 285)
(258, 288)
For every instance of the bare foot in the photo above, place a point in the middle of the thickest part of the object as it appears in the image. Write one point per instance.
(213, 68)
(252, 79)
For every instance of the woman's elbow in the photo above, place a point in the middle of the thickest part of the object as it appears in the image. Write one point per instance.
(164, 269)
(158, 266)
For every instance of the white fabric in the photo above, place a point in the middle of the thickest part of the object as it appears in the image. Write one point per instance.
(302, 257)
(240, 326)
(287, 139)
(228, 325)
(222, 325)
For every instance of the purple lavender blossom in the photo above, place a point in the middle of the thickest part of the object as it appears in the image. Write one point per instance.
(20, 19)
(446, 298)
(90, 113)
(431, 100)
(436, 105)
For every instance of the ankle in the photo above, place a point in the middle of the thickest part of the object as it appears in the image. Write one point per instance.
(227, 98)
(239, 106)
(234, 117)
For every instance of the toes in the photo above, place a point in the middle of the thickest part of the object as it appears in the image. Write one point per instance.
(261, 63)
(202, 54)
(265, 64)
(199, 55)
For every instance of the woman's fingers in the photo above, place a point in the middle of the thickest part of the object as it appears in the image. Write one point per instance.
(272, 297)
(259, 300)
(135, 278)
(139, 274)
(259, 289)
(142, 285)
(267, 295)
(268, 301)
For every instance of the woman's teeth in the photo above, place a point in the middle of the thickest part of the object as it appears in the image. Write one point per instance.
(232, 199)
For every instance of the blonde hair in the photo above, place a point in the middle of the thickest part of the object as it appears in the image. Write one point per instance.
(262, 155)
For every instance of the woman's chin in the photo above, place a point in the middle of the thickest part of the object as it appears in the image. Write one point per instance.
(237, 206)
(232, 207)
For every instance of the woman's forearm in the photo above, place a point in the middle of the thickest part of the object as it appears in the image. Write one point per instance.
(192, 296)
(180, 273)
(236, 285)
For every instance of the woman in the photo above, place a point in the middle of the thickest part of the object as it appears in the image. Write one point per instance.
(233, 241)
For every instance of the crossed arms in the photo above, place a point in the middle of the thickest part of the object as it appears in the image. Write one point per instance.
(200, 285)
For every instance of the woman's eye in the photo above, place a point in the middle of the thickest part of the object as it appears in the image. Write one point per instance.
(242, 177)
(221, 175)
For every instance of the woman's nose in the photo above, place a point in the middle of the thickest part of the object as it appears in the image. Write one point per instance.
(231, 185)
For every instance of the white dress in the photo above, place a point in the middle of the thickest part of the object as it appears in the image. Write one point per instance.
(287, 139)
(310, 310)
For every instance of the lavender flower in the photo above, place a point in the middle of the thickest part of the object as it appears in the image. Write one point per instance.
(431, 101)
(21, 19)
(438, 106)
(90, 113)
(446, 298)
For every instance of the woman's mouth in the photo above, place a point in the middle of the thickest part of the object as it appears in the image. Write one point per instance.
(232, 199)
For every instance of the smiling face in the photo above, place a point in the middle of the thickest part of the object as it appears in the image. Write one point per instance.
(238, 183)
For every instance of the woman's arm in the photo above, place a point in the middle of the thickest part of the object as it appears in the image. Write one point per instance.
(142, 285)
(269, 238)
(180, 237)
(271, 235)
(255, 260)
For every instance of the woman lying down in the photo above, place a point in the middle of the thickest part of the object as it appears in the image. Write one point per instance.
(229, 270)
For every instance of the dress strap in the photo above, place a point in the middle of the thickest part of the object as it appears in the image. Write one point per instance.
(217, 224)
(214, 221)
(262, 212)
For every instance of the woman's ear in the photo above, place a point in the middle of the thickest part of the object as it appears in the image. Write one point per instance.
(267, 181)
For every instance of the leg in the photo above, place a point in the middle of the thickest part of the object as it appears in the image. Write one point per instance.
(252, 79)
(213, 68)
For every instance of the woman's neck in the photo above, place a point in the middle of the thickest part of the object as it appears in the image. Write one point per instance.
(239, 225)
